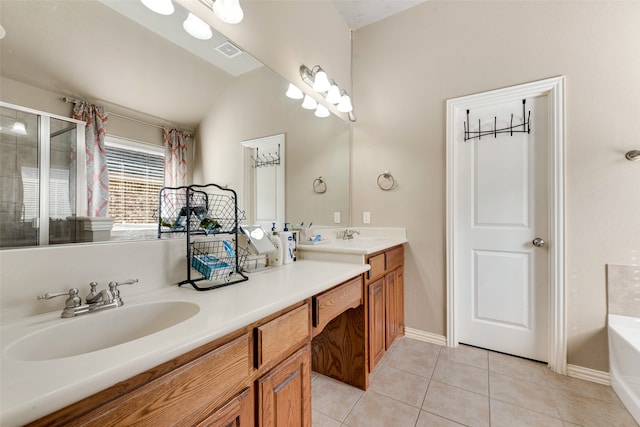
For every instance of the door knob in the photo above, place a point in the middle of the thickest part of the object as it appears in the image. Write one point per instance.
(538, 242)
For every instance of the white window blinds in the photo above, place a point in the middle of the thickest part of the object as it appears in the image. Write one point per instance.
(136, 175)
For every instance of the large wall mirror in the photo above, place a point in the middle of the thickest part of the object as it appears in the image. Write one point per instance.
(148, 73)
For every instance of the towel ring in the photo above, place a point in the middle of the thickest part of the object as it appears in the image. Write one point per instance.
(386, 181)
(319, 186)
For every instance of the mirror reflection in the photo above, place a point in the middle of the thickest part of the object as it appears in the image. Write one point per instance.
(100, 52)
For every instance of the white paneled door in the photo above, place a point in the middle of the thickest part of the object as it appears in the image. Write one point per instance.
(501, 226)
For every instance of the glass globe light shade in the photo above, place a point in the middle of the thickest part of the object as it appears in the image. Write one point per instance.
(345, 104)
(321, 111)
(333, 96)
(163, 7)
(197, 28)
(294, 92)
(321, 81)
(309, 103)
(228, 11)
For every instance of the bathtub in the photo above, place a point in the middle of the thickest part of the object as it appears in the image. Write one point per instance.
(624, 361)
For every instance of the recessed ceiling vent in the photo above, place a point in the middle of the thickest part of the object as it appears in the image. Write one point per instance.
(228, 49)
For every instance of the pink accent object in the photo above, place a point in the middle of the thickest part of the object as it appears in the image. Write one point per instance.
(175, 157)
(97, 172)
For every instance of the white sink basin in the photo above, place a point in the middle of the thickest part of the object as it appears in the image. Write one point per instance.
(100, 330)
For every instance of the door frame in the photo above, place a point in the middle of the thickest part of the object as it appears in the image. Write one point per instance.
(248, 176)
(456, 107)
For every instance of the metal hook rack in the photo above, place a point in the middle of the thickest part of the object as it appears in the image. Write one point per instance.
(264, 160)
(524, 127)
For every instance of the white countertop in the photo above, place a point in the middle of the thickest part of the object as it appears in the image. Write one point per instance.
(357, 246)
(32, 389)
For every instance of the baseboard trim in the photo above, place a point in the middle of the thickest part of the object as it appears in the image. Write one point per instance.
(419, 335)
(587, 374)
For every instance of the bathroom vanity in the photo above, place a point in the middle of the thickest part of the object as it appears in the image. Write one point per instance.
(245, 358)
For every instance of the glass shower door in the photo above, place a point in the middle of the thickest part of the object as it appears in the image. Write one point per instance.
(19, 178)
(39, 177)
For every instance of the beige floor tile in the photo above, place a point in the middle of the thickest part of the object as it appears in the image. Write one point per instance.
(412, 361)
(419, 346)
(333, 398)
(427, 419)
(456, 404)
(587, 411)
(525, 394)
(400, 385)
(319, 419)
(463, 376)
(377, 410)
(466, 354)
(582, 387)
(517, 367)
(568, 424)
(508, 415)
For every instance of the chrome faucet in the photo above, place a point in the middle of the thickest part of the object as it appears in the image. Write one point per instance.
(348, 234)
(95, 301)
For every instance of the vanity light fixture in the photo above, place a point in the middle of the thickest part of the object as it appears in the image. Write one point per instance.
(317, 78)
(163, 7)
(309, 103)
(228, 11)
(197, 28)
(294, 92)
(321, 111)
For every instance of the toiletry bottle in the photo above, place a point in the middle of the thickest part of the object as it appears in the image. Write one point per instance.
(288, 246)
(275, 257)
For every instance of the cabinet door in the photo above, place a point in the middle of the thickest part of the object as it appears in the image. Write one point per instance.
(400, 300)
(391, 309)
(237, 413)
(376, 322)
(285, 393)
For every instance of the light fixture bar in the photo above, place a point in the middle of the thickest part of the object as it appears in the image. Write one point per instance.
(317, 79)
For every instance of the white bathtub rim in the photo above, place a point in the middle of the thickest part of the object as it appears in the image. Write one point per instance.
(627, 329)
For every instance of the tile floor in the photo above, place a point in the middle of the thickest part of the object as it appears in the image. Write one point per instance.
(418, 384)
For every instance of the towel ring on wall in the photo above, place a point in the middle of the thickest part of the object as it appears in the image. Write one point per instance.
(633, 155)
(319, 186)
(386, 181)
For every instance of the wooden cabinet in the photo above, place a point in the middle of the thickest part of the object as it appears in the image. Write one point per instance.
(215, 385)
(284, 393)
(385, 301)
(376, 322)
(237, 413)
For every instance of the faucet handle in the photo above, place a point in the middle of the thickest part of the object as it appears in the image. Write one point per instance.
(115, 292)
(73, 292)
(71, 302)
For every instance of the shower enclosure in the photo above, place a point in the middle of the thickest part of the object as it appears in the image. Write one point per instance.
(42, 160)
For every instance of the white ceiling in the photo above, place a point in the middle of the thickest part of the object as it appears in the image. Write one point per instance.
(358, 13)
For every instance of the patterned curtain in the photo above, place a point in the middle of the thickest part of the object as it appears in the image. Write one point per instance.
(175, 157)
(97, 172)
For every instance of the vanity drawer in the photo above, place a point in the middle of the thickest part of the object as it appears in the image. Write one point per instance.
(282, 335)
(395, 258)
(182, 396)
(328, 305)
(377, 267)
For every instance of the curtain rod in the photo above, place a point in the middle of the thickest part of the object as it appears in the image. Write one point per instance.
(77, 101)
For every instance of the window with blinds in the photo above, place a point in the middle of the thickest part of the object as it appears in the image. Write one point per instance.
(136, 176)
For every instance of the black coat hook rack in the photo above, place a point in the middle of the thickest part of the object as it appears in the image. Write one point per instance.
(269, 159)
(524, 127)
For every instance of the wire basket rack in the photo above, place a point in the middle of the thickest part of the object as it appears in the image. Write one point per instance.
(210, 213)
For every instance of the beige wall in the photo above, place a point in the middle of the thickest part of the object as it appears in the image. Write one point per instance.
(254, 106)
(25, 95)
(406, 66)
